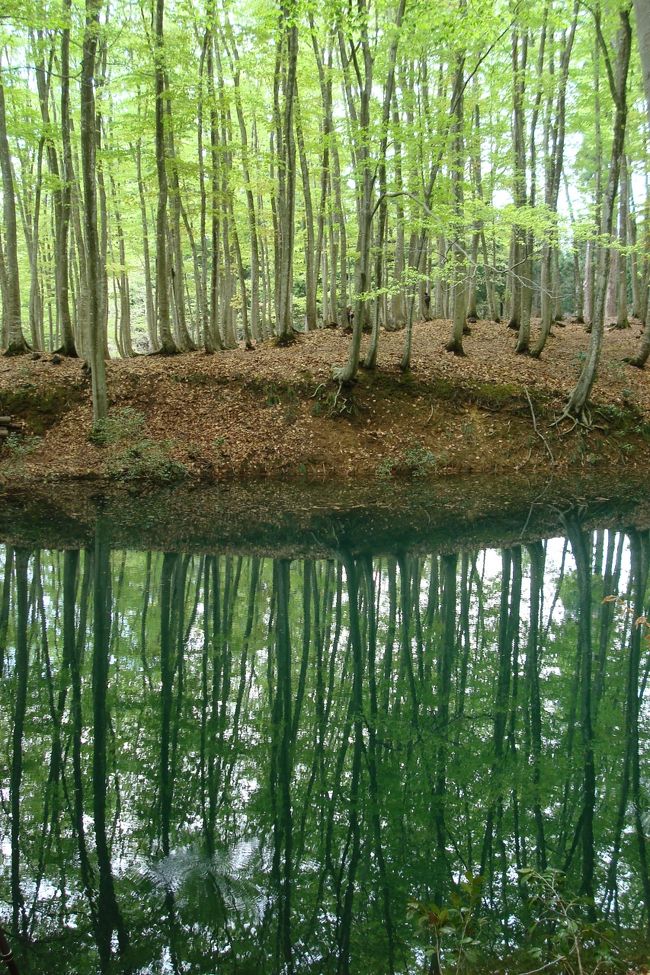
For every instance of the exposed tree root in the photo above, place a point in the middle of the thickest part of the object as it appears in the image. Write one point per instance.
(637, 361)
(167, 348)
(284, 341)
(582, 419)
(17, 348)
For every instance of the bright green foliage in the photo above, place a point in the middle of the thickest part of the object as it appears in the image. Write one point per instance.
(223, 165)
(370, 764)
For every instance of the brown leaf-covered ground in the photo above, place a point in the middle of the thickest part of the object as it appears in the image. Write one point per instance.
(275, 412)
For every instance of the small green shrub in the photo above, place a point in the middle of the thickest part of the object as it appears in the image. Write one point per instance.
(19, 446)
(416, 461)
(123, 425)
(562, 926)
(451, 934)
(385, 467)
(146, 460)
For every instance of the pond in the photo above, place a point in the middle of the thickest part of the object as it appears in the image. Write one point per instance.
(422, 754)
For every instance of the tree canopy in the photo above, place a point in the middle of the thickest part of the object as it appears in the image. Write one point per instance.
(260, 168)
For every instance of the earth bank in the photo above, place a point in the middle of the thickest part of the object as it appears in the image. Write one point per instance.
(276, 413)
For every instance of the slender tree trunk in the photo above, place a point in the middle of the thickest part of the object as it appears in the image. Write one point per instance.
(311, 256)
(370, 360)
(167, 344)
(285, 85)
(554, 167)
(177, 268)
(16, 344)
(250, 199)
(642, 11)
(622, 320)
(215, 339)
(22, 673)
(459, 283)
(577, 403)
(69, 346)
(519, 58)
(88, 166)
(150, 310)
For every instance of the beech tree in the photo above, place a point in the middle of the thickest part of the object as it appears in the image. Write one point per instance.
(16, 343)
(617, 71)
(167, 343)
(89, 176)
(642, 12)
(266, 171)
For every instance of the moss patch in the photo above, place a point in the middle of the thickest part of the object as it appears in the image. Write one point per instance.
(40, 406)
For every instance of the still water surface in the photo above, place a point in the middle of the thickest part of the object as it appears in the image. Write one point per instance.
(246, 764)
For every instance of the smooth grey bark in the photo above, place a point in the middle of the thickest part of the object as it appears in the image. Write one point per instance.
(320, 256)
(632, 236)
(250, 199)
(617, 74)
(122, 279)
(150, 309)
(370, 360)
(69, 345)
(359, 115)
(3, 295)
(89, 177)
(398, 301)
(284, 98)
(334, 285)
(459, 283)
(590, 271)
(554, 166)
(16, 344)
(167, 344)
(184, 339)
(519, 61)
(622, 320)
(213, 291)
(311, 254)
(204, 315)
(642, 12)
(359, 111)
(228, 227)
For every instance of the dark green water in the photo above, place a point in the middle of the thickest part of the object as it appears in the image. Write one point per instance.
(367, 764)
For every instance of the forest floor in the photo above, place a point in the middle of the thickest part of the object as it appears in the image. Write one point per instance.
(276, 413)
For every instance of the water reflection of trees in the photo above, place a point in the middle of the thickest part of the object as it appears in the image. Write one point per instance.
(256, 764)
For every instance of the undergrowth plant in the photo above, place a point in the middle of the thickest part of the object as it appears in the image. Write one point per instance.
(17, 449)
(140, 457)
(565, 938)
(149, 460)
(562, 937)
(416, 461)
(120, 426)
(451, 932)
(19, 446)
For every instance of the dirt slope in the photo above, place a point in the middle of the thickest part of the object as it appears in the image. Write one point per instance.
(275, 412)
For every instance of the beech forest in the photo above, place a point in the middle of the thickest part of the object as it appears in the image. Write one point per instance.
(181, 176)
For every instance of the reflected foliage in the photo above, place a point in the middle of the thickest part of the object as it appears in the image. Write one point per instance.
(376, 764)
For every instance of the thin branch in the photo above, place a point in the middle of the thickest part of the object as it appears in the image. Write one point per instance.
(603, 44)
